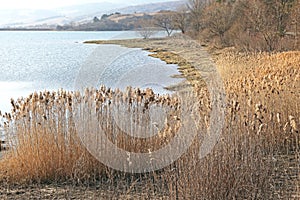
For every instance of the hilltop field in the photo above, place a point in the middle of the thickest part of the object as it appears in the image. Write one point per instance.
(256, 157)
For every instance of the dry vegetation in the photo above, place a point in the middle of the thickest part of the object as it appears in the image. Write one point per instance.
(257, 156)
(264, 90)
(257, 25)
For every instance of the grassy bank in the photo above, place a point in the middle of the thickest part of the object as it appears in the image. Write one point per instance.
(257, 156)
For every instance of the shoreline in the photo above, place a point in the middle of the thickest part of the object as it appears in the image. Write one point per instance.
(162, 48)
(188, 55)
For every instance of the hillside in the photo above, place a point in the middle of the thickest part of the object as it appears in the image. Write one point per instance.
(111, 22)
(77, 14)
(152, 7)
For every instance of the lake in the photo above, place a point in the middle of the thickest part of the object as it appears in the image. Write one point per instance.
(38, 61)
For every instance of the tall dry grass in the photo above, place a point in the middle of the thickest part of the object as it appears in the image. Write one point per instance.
(265, 89)
(44, 144)
(257, 156)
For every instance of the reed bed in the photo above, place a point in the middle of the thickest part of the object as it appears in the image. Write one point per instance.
(44, 146)
(264, 93)
(257, 156)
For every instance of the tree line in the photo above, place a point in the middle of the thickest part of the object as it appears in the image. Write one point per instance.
(256, 25)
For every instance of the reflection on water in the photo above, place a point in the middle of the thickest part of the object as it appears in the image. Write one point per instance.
(38, 61)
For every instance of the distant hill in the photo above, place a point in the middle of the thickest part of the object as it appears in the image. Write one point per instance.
(28, 17)
(111, 22)
(76, 15)
(151, 8)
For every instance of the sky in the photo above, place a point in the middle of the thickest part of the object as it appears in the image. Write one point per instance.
(45, 4)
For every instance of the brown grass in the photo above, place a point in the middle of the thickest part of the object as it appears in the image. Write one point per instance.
(257, 156)
(44, 144)
(266, 88)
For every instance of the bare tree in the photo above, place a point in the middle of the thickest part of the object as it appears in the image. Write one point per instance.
(146, 29)
(219, 18)
(278, 12)
(181, 19)
(268, 19)
(196, 9)
(165, 21)
(258, 24)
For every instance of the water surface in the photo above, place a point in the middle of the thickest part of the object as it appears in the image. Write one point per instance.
(38, 61)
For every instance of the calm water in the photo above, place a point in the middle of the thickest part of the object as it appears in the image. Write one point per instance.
(37, 61)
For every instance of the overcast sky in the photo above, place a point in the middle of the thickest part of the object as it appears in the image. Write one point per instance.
(44, 4)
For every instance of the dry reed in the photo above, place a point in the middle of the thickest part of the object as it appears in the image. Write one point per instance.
(257, 156)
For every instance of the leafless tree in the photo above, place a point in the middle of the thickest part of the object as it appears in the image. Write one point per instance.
(181, 19)
(196, 9)
(165, 21)
(219, 18)
(279, 11)
(259, 24)
(146, 29)
(268, 19)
